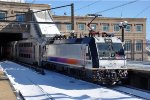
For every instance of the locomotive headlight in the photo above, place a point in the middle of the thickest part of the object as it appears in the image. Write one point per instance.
(112, 54)
(123, 66)
(101, 66)
(108, 40)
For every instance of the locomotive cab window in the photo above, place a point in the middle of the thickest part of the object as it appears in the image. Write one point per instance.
(118, 49)
(110, 49)
(103, 49)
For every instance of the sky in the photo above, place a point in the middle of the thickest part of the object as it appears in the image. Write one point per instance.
(138, 9)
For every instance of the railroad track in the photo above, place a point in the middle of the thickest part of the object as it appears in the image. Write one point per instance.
(123, 89)
(34, 83)
(41, 89)
(139, 93)
(35, 68)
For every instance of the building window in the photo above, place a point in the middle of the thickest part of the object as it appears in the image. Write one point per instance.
(116, 27)
(128, 28)
(139, 27)
(68, 27)
(81, 26)
(105, 27)
(138, 45)
(20, 17)
(128, 45)
(93, 26)
(2, 15)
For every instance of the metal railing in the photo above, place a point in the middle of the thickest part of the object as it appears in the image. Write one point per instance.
(137, 52)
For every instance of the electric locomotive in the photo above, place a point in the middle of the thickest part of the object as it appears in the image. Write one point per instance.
(101, 59)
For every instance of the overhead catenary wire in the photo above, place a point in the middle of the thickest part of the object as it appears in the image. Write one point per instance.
(78, 9)
(108, 8)
(33, 1)
(87, 5)
(32, 22)
(37, 11)
(117, 6)
(146, 8)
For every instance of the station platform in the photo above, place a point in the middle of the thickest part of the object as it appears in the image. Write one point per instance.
(6, 90)
(139, 66)
(139, 74)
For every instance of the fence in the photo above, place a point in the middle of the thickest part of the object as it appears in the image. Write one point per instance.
(138, 51)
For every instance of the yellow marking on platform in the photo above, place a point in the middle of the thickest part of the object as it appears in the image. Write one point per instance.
(6, 92)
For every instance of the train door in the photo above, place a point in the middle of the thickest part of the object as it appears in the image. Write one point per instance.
(83, 54)
(88, 57)
(88, 53)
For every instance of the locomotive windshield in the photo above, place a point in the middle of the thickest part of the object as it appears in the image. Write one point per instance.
(117, 47)
(110, 49)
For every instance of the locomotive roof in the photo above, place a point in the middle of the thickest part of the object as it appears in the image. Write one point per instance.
(74, 40)
(84, 40)
(103, 39)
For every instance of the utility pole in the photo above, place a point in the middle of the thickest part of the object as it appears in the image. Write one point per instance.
(72, 16)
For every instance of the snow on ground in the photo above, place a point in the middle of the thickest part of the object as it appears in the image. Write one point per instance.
(134, 91)
(35, 86)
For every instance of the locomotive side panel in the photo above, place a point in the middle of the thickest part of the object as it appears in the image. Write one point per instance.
(69, 54)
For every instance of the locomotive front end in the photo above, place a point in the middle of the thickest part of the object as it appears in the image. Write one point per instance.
(112, 61)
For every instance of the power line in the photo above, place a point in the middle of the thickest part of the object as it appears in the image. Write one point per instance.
(87, 5)
(35, 12)
(117, 6)
(143, 11)
(32, 1)
(32, 22)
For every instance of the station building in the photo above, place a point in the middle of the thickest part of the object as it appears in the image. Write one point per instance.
(135, 32)
(16, 11)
